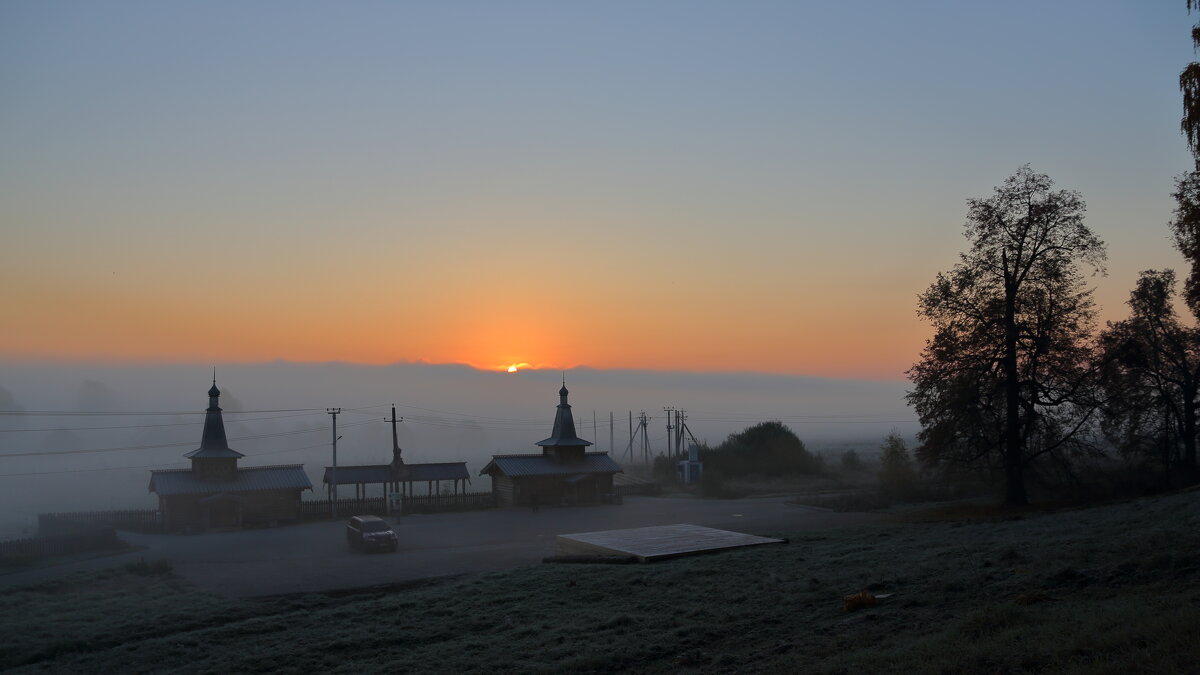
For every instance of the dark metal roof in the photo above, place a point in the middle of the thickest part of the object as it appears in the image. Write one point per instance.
(541, 465)
(438, 471)
(373, 473)
(212, 440)
(248, 479)
(383, 473)
(563, 434)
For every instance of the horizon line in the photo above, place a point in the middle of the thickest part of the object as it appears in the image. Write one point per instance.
(497, 369)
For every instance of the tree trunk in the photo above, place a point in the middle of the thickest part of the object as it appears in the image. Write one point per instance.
(1166, 448)
(1189, 432)
(1014, 480)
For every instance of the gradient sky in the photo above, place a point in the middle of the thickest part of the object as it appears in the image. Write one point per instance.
(760, 186)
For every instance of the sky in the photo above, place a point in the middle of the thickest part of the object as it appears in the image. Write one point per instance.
(672, 186)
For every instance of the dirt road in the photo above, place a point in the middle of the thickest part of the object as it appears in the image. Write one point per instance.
(314, 556)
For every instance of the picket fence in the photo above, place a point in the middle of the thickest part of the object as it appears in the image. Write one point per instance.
(23, 551)
(135, 520)
(463, 501)
(317, 509)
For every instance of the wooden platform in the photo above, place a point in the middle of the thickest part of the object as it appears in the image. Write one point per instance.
(657, 543)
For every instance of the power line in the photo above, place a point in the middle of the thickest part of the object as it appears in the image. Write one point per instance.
(47, 453)
(148, 466)
(147, 413)
(152, 426)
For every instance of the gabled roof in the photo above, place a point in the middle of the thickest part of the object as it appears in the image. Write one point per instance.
(541, 465)
(383, 473)
(172, 482)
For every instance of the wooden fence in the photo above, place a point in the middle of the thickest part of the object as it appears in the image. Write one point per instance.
(317, 509)
(136, 520)
(463, 501)
(649, 489)
(23, 551)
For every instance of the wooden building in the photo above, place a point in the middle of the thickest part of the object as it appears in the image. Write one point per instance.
(398, 477)
(563, 473)
(217, 494)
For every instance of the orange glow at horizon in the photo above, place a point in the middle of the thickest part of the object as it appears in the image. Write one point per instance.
(491, 314)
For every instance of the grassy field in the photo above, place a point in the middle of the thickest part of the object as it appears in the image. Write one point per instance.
(1112, 589)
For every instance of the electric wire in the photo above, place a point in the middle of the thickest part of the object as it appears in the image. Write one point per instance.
(153, 426)
(47, 453)
(146, 413)
(152, 466)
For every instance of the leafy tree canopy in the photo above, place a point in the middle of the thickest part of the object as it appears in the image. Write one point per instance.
(769, 448)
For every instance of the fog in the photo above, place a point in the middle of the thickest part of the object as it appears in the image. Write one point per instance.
(117, 422)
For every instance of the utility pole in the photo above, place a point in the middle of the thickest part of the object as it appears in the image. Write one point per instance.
(631, 437)
(595, 435)
(642, 422)
(395, 439)
(334, 412)
(680, 427)
(669, 411)
(611, 428)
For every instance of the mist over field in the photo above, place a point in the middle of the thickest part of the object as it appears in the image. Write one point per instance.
(274, 414)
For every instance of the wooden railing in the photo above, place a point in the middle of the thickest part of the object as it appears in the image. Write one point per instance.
(23, 551)
(136, 520)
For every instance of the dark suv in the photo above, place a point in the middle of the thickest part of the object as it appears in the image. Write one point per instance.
(370, 533)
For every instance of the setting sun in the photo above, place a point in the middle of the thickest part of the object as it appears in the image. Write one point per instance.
(512, 369)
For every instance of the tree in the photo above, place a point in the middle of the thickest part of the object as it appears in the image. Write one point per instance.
(1185, 231)
(1186, 224)
(1189, 85)
(1004, 380)
(897, 478)
(1151, 377)
(769, 448)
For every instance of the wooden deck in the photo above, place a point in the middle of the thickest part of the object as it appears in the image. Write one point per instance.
(658, 542)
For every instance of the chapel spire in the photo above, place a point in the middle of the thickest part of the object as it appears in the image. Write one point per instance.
(213, 443)
(563, 435)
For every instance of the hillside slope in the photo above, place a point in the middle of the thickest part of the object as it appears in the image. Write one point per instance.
(1106, 589)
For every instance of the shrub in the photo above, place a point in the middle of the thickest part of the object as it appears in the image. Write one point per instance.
(713, 485)
(851, 461)
(664, 469)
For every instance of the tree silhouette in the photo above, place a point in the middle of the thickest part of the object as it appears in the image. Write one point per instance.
(1151, 377)
(1004, 380)
(1189, 84)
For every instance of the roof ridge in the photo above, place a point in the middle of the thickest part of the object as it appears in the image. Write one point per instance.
(270, 466)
